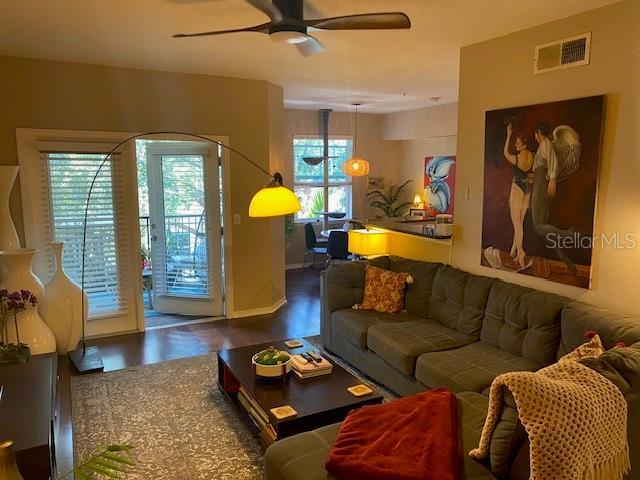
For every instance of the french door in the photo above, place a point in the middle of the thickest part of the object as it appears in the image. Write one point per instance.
(185, 227)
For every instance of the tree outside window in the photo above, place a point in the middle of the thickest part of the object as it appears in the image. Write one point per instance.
(322, 187)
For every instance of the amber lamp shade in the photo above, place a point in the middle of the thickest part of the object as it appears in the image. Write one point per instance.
(356, 167)
(367, 243)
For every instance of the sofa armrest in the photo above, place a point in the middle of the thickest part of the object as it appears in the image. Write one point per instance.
(341, 286)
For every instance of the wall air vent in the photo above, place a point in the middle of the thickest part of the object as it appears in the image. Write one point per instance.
(567, 53)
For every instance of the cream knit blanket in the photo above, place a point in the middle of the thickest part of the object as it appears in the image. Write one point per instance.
(575, 418)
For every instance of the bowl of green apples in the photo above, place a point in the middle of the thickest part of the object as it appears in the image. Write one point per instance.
(271, 363)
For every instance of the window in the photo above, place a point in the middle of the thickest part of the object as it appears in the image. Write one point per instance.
(322, 187)
(69, 178)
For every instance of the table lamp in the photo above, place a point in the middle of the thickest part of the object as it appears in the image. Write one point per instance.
(367, 243)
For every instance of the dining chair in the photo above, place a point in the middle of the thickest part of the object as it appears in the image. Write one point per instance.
(313, 248)
(338, 246)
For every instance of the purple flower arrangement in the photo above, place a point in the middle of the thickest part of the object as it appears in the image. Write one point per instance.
(11, 303)
(18, 301)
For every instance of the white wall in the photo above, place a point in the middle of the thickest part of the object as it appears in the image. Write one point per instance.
(423, 132)
(498, 74)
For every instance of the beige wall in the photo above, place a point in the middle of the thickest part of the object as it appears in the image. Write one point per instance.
(58, 95)
(422, 132)
(499, 73)
(383, 157)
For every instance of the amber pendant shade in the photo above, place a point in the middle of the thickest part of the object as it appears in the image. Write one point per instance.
(356, 167)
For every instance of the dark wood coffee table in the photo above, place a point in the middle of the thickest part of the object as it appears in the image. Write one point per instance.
(319, 401)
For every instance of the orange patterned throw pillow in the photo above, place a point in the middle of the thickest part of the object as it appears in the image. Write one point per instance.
(383, 290)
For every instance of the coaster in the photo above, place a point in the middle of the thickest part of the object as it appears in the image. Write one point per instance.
(293, 343)
(359, 390)
(285, 411)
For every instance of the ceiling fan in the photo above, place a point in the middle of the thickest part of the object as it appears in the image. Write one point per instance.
(288, 24)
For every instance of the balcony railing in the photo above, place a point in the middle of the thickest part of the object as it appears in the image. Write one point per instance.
(185, 253)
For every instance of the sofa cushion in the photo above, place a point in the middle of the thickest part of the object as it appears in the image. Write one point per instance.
(419, 292)
(354, 324)
(301, 457)
(458, 299)
(472, 408)
(578, 318)
(469, 368)
(523, 321)
(400, 344)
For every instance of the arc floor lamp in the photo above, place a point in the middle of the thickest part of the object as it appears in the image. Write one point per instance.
(271, 201)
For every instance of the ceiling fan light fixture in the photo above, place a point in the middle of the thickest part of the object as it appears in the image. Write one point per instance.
(288, 37)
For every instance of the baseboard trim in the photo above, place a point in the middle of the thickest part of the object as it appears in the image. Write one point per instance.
(254, 312)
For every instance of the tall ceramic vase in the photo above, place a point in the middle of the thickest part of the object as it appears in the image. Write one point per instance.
(31, 328)
(8, 235)
(62, 307)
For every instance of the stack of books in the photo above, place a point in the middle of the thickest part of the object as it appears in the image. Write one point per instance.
(259, 417)
(309, 365)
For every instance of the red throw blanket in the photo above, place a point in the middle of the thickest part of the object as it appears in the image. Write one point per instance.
(414, 438)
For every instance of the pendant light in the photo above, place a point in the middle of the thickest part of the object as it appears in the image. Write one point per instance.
(356, 166)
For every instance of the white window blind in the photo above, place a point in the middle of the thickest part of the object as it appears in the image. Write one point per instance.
(68, 179)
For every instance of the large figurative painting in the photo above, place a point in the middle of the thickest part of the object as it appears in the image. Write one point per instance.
(540, 181)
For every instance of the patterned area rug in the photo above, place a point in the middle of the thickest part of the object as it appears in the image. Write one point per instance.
(183, 428)
(172, 412)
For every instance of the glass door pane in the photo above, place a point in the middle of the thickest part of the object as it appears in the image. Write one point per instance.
(185, 229)
(185, 226)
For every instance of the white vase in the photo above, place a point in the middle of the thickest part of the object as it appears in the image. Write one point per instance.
(31, 328)
(8, 235)
(62, 307)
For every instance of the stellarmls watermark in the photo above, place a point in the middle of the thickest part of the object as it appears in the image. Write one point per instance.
(622, 241)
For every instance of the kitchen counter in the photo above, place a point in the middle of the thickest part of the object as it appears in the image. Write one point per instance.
(409, 227)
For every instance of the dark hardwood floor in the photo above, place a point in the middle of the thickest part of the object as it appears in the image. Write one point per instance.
(300, 317)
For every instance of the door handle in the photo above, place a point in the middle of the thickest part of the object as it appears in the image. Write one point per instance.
(154, 238)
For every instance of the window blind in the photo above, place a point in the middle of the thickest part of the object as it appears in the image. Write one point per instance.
(67, 183)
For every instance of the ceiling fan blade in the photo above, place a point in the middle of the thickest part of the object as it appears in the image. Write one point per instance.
(310, 46)
(310, 10)
(268, 8)
(364, 21)
(263, 28)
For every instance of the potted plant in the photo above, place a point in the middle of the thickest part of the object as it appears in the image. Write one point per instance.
(11, 303)
(387, 201)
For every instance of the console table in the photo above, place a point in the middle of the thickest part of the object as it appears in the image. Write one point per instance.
(27, 414)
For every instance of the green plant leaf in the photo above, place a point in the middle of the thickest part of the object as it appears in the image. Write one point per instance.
(386, 201)
(80, 475)
(120, 448)
(117, 458)
(109, 463)
(92, 466)
(376, 193)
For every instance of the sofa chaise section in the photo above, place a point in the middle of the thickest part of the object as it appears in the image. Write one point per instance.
(303, 456)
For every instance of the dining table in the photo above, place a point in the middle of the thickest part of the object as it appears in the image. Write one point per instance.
(327, 232)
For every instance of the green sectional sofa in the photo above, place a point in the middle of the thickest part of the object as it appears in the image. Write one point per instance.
(460, 331)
